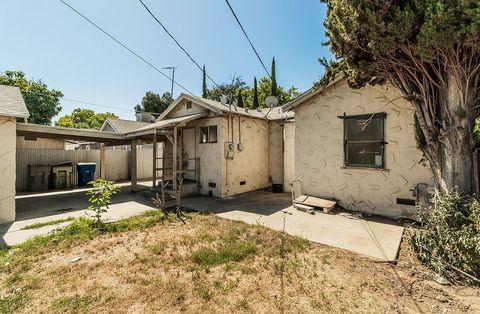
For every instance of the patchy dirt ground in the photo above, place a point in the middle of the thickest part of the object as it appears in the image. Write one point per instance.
(212, 265)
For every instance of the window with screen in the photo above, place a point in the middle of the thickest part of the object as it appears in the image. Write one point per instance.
(208, 134)
(364, 142)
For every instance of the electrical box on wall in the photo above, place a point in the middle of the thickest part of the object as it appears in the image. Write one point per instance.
(229, 150)
(240, 147)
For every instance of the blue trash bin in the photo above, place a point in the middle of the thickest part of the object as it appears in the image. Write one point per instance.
(86, 172)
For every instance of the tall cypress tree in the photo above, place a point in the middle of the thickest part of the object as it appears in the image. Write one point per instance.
(204, 83)
(240, 99)
(255, 94)
(274, 91)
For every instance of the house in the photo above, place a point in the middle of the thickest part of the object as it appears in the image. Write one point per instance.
(358, 146)
(121, 125)
(12, 106)
(221, 149)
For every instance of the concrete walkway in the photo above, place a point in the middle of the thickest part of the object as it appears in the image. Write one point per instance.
(44, 207)
(375, 239)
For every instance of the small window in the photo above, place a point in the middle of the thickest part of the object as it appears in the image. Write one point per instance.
(208, 134)
(364, 143)
(189, 105)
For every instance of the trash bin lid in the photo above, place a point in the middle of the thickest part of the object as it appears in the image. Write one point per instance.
(86, 164)
(64, 163)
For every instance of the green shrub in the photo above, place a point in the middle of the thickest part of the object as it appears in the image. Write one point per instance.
(100, 197)
(447, 235)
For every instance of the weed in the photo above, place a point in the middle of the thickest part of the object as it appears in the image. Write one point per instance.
(231, 252)
(10, 304)
(47, 223)
(74, 304)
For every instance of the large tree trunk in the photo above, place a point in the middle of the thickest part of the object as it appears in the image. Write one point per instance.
(450, 153)
(445, 93)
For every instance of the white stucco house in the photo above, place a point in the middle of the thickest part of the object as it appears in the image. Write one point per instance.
(358, 146)
(223, 149)
(12, 107)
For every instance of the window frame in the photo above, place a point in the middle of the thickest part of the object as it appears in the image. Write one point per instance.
(207, 128)
(346, 141)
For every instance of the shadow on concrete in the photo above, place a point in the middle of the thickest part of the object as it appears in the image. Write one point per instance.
(50, 204)
(255, 202)
(3, 229)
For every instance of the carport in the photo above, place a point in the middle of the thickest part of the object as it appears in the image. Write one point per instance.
(35, 131)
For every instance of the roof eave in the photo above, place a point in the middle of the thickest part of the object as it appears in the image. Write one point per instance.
(309, 94)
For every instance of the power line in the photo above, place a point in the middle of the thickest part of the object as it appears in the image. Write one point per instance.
(77, 101)
(245, 33)
(176, 41)
(125, 47)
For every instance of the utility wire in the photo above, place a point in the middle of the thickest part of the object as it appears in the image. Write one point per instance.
(77, 101)
(245, 33)
(176, 41)
(125, 47)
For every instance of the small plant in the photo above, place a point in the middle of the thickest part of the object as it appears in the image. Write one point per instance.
(447, 236)
(100, 198)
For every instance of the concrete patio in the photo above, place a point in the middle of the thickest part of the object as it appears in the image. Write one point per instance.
(375, 239)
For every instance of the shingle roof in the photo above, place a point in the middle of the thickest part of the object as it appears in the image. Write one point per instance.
(125, 126)
(276, 113)
(12, 103)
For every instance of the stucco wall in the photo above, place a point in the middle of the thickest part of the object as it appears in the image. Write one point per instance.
(7, 169)
(210, 155)
(252, 163)
(319, 150)
(275, 137)
(288, 155)
(40, 143)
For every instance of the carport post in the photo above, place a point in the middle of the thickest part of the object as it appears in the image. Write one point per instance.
(102, 161)
(133, 165)
(154, 149)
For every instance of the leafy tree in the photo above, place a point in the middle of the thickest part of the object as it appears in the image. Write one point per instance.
(227, 89)
(154, 103)
(430, 51)
(204, 84)
(84, 119)
(255, 94)
(265, 90)
(42, 103)
(274, 90)
(240, 99)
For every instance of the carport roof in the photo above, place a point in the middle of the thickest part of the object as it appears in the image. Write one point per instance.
(12, 103)
(46, 131)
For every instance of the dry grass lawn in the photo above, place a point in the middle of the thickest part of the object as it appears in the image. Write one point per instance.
(212, 265)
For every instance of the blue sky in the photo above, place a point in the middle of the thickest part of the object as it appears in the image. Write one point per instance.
(47, 40)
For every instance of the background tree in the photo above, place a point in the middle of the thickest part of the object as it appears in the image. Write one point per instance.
(240, 99)
(265, 90)
(154, 103)
(42, 103)
(430, 51)
(204, 84)
(255, 94)
(228, 89)
(84, 119)
(274, 91)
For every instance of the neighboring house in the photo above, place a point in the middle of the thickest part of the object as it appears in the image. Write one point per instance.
(224, 149)
(121, 126)
(111, 125)
(359, 147)
(12, 106)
